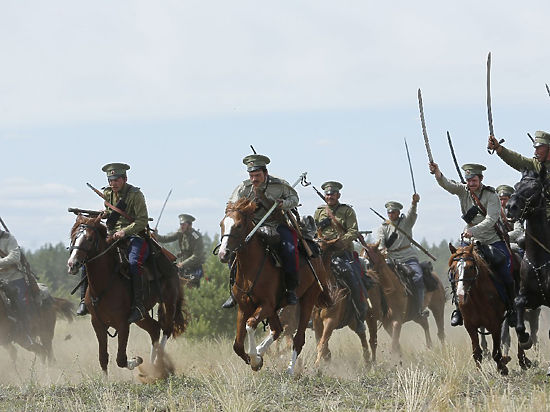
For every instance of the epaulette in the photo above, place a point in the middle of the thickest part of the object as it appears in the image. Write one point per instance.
(134, 189)
(276, 180)
(247, 182)
(195, 234)
(321, 207)
(490, 189)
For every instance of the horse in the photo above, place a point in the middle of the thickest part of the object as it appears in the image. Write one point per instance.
(258, 287)
(41, 327)
(480, 303)
(528, 203)
(340, 314)
(401, 308)
(108, 295)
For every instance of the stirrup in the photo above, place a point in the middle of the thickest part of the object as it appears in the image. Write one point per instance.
(82, 309)
(456, 318)
(230, 302)
(136, 315)
(291, 298)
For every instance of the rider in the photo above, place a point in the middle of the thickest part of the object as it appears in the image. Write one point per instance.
(398, 246)
(514, 227)
(191, 256)
(129, 199)
(12, 274)
(337, 229)
(480, 207)
(265, 190)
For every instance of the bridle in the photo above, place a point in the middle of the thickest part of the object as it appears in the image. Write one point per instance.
(239, 238)
(93, 245)
(461, 260)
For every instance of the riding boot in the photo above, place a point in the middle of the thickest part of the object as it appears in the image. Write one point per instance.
(419, 298)
(456, 317)
(291, 284)
(82, 309)
(230, 302)
(291, 298)
(138, 310)
(510, 307)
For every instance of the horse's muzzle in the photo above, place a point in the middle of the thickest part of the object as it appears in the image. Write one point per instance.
(73, 267)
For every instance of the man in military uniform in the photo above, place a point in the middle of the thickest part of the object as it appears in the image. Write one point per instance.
(191, 256)
(398, 246)
(480, 207)
(129, 199)
(540, 163)
(265, 190)
(12, 274)
(513, 227)
(337, 229)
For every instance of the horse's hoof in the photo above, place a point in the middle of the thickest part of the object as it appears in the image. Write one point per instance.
(525, 364)
(504, 371)
(548, 372)
(505, 360)
(132, 363)
(256, 363)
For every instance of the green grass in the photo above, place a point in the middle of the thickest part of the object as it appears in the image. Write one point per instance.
(210, 377)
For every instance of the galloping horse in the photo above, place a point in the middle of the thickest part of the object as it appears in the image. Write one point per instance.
(401, 307)
(41, 325)
(258, 287)
(528, 203)
(479, 303)
(108, 296)
(340, 314)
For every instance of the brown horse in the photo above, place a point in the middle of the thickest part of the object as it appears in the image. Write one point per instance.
(258, 287)
(400, 306)
(336, 316)
(479, 303)
(41, 324)
(108, 296)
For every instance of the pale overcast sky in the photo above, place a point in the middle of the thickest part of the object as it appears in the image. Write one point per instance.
(180, 89)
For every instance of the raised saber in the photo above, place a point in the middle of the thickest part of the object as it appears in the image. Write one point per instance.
(424, 132)
(410, 165)
(271, 209)
(547, 88)
(414, 242)
(489, 110)
(454, 158)
(162, 210)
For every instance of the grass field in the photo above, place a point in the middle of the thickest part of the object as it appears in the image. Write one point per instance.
(210, 377)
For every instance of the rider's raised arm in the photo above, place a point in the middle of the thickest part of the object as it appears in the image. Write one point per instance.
(516, 160)
(451, 186)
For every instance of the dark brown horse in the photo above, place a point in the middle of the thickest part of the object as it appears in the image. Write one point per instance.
(41, 326)
(108, 296)
(400, 306)
(258, 287)
(336, 316)
(479, 303)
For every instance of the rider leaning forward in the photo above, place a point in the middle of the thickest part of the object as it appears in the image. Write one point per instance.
(265, 190)
(480, 208)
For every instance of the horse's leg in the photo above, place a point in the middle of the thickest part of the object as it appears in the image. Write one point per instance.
(238, 345)
(152, 327)
(373, 336)
(422, 321)
(101, 335)
(323, 352)
(395, 334)
(523, 337)
(307, 300)
(437, 306)
(484, 345)
(497, 353)
(533, 319)
(505, 338)
(121, 358)
(275, 331)
(261, 312)
(365, 345)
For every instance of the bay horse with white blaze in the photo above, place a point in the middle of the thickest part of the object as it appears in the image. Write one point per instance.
(258, 287)
(108, 295)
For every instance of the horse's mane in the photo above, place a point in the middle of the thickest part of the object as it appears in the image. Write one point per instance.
(243, 205)
(89, 221)
(478, 259)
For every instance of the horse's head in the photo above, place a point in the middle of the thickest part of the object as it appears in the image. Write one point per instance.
(527, 198)
(235, 225)
(464, 268)
(85, 239)
(374, 254)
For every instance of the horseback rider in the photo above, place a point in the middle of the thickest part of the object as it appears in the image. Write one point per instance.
(265, 190)
(336, 230)
(516, 232)
(191, 256)
(399, 248)
(481, 207)
(13, 276)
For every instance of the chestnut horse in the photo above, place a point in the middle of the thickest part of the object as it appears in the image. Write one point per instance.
(336, 316)
(108, 296)
(41, 324)
(401, 307)
(258, 287)
(479, 303)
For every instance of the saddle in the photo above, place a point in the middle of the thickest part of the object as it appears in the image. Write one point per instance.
(405, 275)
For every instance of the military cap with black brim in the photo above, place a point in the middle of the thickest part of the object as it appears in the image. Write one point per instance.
(255, 162)
(331, 187)
(472, 169)
(115, 170)
(393, 206)
(185, 218)
(541, 139)
(505, 190)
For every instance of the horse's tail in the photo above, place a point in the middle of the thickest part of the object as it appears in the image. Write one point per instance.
(181, 317)
(327, 296)
(64, 308)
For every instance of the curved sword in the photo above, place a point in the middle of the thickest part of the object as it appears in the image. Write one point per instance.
(410, 165)
(424, 132)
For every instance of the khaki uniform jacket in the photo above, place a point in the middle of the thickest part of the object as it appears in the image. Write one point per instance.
(520, 162)
(274, 189)
(135, 207)
(401, 249)
(516, 232)
(348, 220)
(190, 243)
(482, 227)
(10, 266)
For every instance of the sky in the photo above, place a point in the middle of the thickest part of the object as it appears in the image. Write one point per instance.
(181, 89)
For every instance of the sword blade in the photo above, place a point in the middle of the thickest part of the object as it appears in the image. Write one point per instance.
(454, 158)
(547, 88)
(162, 210)
(424, 132)
(489, 110)
(410, 165)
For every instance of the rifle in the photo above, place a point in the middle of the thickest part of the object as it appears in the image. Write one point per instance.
(91, 213)
(414, 242)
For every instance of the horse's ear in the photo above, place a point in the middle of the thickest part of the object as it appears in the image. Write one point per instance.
(452, 248)
(97, 219)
